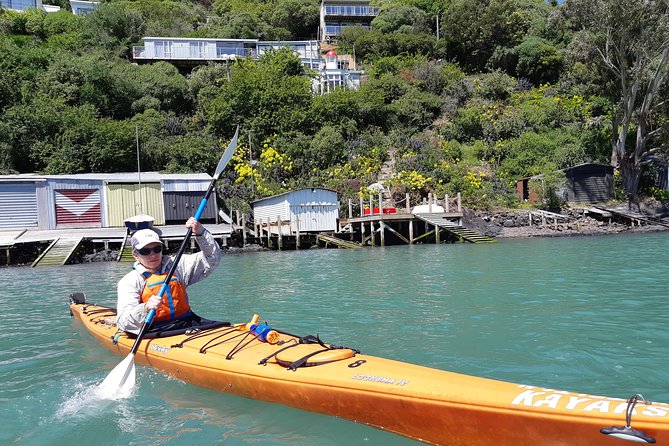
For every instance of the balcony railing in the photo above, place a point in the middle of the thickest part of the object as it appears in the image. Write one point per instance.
(190, 53)
(335, 30)
(359, 11)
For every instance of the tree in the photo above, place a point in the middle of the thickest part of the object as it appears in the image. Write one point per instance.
(267, 96)
(299, 17)
(402, 19)
(630, 38)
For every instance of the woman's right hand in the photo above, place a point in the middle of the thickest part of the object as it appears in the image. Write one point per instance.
(153, 303)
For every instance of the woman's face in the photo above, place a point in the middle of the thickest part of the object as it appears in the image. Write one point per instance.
(150, 256)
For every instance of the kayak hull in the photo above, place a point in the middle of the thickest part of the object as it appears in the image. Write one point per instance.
(429, 405)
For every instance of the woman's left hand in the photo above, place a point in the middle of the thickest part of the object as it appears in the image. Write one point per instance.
(195, 225)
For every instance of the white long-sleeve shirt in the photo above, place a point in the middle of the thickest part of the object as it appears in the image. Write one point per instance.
(192, 268)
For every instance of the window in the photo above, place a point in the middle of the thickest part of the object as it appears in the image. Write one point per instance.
(21, 5)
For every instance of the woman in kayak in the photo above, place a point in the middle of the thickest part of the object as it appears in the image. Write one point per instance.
(137, 290)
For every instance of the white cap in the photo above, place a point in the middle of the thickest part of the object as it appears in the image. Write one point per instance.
(144, 237)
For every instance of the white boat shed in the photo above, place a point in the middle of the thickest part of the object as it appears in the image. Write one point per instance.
(302, 210)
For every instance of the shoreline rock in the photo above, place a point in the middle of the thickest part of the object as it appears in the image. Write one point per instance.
(514, 223)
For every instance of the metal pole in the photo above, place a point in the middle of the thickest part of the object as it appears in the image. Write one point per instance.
(139, 171)
(251, 165)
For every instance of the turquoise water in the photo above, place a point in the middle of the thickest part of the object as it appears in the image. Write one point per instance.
(580, 314)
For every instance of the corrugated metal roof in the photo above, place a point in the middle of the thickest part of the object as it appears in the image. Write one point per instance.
(121, 177)
(292, 192)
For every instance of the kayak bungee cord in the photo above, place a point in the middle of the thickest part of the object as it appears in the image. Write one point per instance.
(203, 333)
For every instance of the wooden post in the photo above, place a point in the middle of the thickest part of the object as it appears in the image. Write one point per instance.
(243, 230)
(411, 231)
(429, 202)
(459, 202)
(436, 234)
(8, 262)
(269, 233)
(371, 233)
(362, 208)
(297, 228)
(380, 203)
(382, 230)
(529, 217)
(371, 204)
(362, 230)
(446, 204)
(350, 208)
(408, 205)
(279, 225)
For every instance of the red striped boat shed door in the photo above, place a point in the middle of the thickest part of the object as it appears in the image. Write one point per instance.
(78, 208)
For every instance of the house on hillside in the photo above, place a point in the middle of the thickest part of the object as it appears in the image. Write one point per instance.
(186, 53)
(338, 14)
(80, 7)
(23, 5)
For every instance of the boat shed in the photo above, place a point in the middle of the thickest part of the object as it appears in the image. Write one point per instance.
(303, 210)
(585, 183)
(589, 183)
(94, 200)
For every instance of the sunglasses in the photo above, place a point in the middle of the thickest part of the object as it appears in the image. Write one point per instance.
(146, 251)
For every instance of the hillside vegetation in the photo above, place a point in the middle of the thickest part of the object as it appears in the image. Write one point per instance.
(509, 89)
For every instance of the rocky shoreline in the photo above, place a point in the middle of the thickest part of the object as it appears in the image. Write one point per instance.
(509, 223)
(515, 223)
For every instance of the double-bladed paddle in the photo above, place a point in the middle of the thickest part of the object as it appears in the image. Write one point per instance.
(121, 380)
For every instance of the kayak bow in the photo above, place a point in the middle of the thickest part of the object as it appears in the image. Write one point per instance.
(429, 405)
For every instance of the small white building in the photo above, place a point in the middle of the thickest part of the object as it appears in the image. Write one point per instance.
(336, 74)
(80, 7)
(304, 210)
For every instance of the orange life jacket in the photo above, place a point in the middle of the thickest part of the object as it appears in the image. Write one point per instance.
(175, 299)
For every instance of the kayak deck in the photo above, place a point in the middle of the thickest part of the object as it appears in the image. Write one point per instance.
(430, 405)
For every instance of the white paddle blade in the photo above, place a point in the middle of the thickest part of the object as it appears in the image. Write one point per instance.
(120, 382)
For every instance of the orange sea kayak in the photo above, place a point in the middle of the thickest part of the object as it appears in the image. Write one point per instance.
(434, 406)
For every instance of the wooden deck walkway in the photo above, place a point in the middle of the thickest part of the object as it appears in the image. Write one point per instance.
(439, 222)
(635, 218)
(59, 245)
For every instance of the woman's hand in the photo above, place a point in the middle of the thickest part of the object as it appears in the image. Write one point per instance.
(195, 225)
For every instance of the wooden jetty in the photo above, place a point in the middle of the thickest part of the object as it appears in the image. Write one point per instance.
(634, 218)
(61, 246)
(377, 225)
(406, 226)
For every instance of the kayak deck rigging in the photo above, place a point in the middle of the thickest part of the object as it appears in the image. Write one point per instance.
(217, 336)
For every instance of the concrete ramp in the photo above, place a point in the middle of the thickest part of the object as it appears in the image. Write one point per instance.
(339, 243)
(59, 252)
